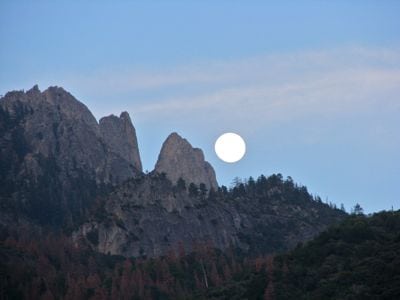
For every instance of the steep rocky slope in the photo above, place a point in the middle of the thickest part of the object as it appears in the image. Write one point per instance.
(150, 216)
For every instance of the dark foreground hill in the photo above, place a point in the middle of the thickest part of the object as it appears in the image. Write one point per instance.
(357, 259)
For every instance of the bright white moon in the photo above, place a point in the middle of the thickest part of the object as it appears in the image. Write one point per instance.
(230, 147)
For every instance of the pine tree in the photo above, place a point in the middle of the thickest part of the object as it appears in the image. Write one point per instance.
(193, 189)
(181, 184)
(358, 210)
(203, 190)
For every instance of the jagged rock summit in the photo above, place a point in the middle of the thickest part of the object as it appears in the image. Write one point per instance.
(55, 141)
(56, 125)
(120, 135)
(178, 159)
(54, 100)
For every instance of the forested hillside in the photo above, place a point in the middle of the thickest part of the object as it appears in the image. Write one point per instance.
(358, 259)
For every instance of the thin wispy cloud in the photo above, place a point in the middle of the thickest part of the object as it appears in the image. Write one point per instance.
(260, 89)
(254, 69)
(248, 95)
(274, 88)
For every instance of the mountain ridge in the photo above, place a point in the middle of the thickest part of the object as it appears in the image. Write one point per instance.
(62, 169)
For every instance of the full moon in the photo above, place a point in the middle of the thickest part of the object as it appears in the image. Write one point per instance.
(230, 147)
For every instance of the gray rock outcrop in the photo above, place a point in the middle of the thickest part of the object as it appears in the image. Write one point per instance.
(120, 136)
(178, 159)
(54, 140)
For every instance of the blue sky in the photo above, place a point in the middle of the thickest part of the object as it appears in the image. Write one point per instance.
(312, 86)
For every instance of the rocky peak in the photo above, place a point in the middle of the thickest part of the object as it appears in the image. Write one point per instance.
(34, 90)
(70, 106)
(54, 101)
(55, 124)
(120, 135)
(55, 141)
(179, 159)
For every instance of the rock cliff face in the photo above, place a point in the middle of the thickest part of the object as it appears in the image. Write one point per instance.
(54, 157)
(178, 159)
(149, 216)
(120, 135)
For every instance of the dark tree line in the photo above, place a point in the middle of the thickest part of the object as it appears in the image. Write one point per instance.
(357, 259)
